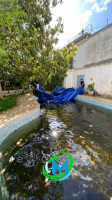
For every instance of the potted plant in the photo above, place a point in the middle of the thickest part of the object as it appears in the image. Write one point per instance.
(91, 88)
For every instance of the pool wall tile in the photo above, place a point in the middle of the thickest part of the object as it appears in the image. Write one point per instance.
(92, 101)
(17, 123)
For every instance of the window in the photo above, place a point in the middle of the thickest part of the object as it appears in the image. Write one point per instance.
(71, 64)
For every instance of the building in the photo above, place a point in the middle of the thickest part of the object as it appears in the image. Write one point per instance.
(93, 61)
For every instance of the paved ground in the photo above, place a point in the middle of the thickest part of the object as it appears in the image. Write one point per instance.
(25, 104)
(100, 98)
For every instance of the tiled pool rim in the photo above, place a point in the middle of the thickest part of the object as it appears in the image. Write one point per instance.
(11, 128)
(17, 123)
(107, 105)
(13, 125)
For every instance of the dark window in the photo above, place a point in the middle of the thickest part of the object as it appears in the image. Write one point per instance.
(71, 64)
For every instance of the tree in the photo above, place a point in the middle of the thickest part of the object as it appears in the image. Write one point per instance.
(25, 33)
(10, 23)
(54, 67)
(27, 41)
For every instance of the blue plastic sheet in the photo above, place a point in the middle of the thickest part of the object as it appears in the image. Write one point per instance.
(60, 90)
(58, 94)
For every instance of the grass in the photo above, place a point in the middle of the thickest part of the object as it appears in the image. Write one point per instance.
(7, 102)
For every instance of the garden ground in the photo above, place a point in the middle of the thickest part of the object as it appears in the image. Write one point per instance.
(25, 104)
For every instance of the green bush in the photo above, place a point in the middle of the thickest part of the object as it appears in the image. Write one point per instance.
(91, 86)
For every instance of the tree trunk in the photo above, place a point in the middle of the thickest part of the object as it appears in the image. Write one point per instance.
(1, 95)
(23, 91)
(5, 85)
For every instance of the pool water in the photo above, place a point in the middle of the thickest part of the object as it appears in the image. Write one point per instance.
(84, 133)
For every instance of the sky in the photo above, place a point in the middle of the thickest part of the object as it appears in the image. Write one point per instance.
(78, 14)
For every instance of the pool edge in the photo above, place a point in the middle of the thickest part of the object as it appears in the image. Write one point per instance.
(18, 122)
(95, 102)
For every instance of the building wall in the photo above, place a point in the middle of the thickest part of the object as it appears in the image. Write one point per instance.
(100, 75)
(69, 80)
(95, 49)
(94, 61)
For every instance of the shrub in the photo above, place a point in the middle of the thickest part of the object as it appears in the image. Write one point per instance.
(91, 86)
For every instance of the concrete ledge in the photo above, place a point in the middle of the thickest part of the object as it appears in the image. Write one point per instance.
(13, 125)
(12, 91)
(105, 104)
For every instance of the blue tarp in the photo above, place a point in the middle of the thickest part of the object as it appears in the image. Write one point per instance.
(60, 90)
(58, 94)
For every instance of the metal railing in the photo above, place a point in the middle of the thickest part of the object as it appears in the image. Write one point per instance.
(90, 29)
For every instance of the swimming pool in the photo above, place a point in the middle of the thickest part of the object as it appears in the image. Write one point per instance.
(83, 132)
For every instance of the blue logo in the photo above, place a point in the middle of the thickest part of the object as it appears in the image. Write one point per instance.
(59, 172)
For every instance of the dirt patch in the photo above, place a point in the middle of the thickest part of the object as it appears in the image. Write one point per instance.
(25, 104)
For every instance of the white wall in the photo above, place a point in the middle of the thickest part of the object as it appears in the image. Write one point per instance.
(100, 75)
(94, 49)
(69, 80)
(94, 60)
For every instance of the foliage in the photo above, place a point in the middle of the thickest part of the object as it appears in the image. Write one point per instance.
(27, 40)
(58, 66)
(7, 102)
(25, 36)
(91, 86)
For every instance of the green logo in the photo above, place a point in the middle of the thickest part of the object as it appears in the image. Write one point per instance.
(62, 175)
